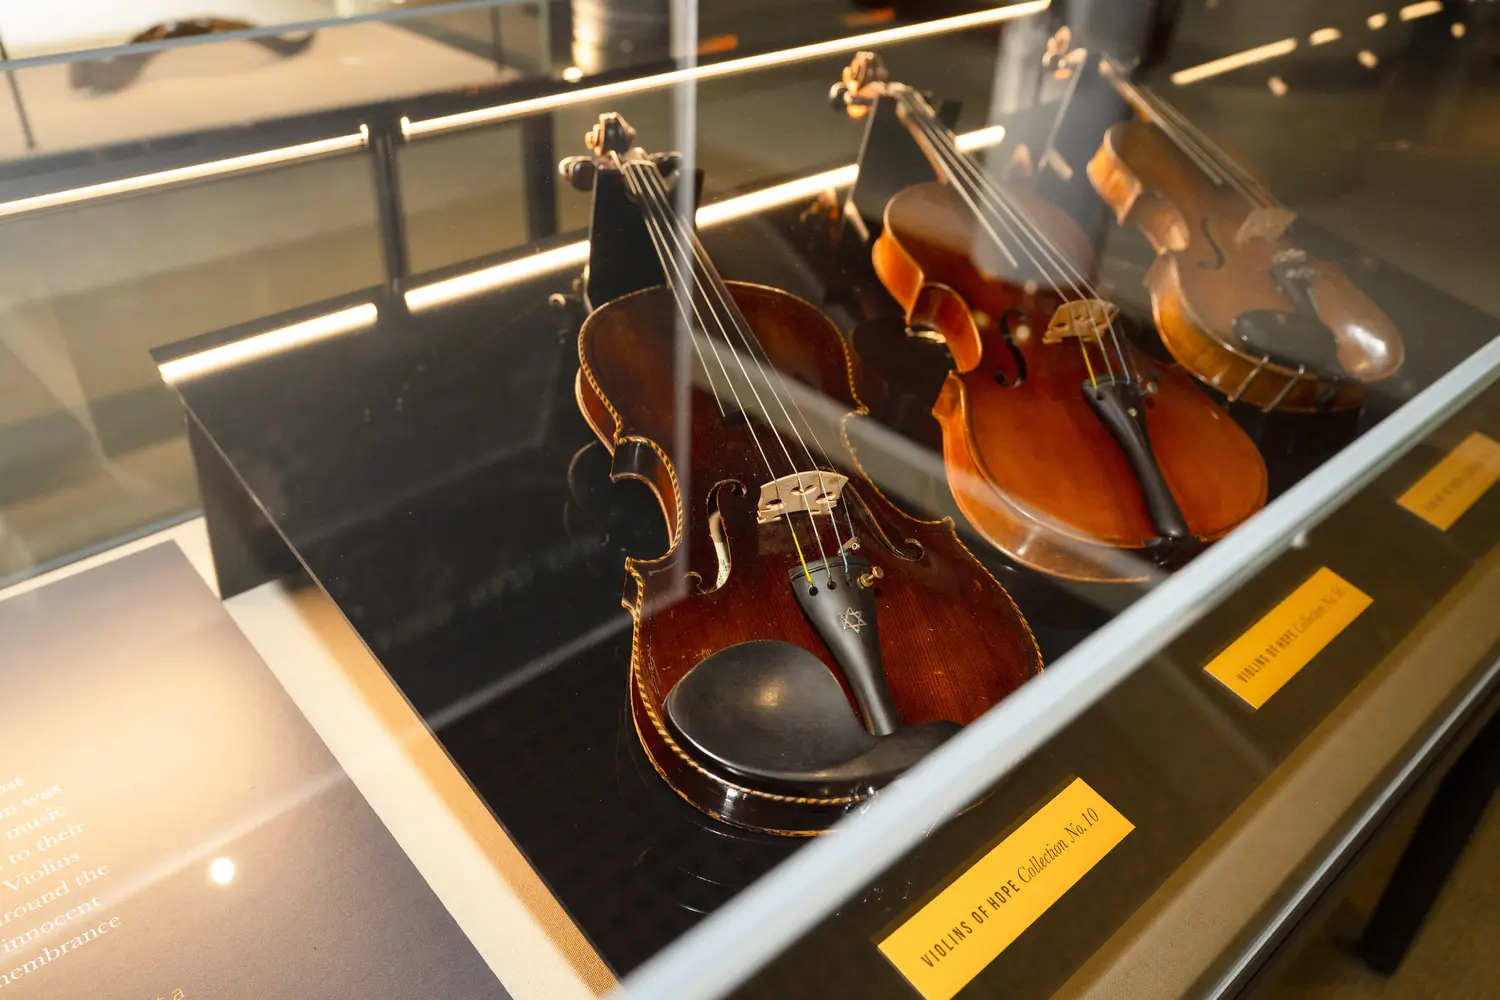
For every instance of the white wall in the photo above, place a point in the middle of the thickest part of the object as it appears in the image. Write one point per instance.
(40, 27)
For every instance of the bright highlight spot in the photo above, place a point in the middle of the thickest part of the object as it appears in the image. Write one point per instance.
(572, 74)
(1376, 21)
(1277, 85)
(1412, 11)
(221, 871)
(1458, 29)
(1325, 35)
(1238, 60)
(1367, 59)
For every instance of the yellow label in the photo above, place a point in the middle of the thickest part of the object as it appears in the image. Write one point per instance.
(1258, 663)
(949, 941)
(1452, 486)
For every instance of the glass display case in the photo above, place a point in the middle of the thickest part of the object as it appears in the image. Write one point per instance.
(846, 501)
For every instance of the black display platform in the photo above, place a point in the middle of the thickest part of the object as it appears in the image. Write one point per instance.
(432, 474)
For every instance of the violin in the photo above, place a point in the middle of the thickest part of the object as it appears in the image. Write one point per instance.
(1236, 301)
(1063, 443)
(802, 641)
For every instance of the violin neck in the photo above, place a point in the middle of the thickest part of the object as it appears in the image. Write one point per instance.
(686, 265)
(933, 137)
(1221, 168)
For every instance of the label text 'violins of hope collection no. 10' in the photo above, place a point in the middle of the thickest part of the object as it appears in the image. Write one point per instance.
(950, 940)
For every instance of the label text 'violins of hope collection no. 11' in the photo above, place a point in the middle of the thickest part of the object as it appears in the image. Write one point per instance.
(1453, 485)
(1274, 649)
(950, 940)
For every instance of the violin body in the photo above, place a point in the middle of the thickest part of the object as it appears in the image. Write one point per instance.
(1031, 464)
(1234, 300)
(951, 640)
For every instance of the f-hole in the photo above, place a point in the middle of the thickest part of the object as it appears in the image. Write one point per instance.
(720, 539)
(910, 549)
(1218, 260)
(1016, 356)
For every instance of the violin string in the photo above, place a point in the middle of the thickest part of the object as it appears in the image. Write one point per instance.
(1149, 106)
(1063, 262)
(1020, 219)
(1206, 153)
(656, 218)
(678, 229)
(757, 352)
(657, 245)
(1027, 224)
(968, 177)
(1240, 178)
(669, 265)
(656, 199)
(764, 365)
(1020, 222)
(662, 258)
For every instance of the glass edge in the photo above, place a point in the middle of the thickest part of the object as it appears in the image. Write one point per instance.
(1297, 900)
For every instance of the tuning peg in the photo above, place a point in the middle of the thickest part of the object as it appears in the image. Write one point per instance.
(578, 171)
(667, 163)
(838, 96)
(612, 134)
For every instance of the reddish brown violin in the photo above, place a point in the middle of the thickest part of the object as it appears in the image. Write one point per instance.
(1064, 444)
(803, 641)
(1236, 301)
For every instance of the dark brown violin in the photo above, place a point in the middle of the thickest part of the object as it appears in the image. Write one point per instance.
(1064, 444)
(802, 641)
(1237, 302)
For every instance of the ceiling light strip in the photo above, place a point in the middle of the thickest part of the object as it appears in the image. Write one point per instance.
(182, 175)
(576, 254)
(1238, 60)
(729, 67)
(271, 342)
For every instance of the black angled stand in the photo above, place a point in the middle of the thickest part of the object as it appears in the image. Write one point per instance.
(1436, 846)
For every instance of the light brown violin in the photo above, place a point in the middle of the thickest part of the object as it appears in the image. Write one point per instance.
(1064, 444)
(1235, 300)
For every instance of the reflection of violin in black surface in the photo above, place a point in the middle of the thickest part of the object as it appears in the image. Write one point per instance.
(803, 641)
(106, 76)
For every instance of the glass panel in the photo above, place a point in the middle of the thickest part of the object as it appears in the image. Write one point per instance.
(1063, 466)
(91, 439)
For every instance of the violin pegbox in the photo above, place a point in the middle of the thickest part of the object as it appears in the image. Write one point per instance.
(610, 142)
(1061, 57)
(862, 83)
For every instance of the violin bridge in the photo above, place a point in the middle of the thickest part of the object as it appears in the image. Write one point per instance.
(1087, 319)
(1268, 222)
(816, 492)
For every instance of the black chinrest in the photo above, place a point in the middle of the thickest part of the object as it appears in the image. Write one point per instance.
(1290, 339)
(774, 714)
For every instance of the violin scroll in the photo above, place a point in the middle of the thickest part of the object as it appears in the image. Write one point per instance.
(611, 141)
(863, 82)
(1061, 56)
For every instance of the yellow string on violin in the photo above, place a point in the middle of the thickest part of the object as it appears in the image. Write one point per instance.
(805, 571)
(1087, 363)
